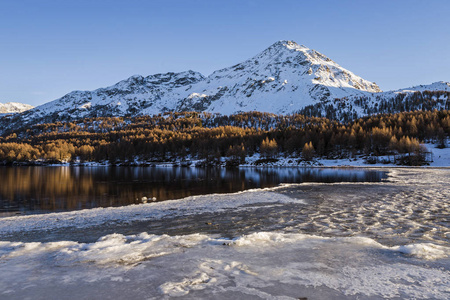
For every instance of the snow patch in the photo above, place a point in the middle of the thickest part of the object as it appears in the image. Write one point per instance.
(427, 251)
(197, 95)
(87, 105)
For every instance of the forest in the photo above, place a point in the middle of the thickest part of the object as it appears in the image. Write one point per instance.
(214, 139)
(347, 110)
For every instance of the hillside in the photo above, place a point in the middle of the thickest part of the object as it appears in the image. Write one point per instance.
(429, 97)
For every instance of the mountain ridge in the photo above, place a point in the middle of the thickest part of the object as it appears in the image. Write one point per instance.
(284, 70)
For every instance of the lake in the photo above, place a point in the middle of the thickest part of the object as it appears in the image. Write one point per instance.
(31, 190)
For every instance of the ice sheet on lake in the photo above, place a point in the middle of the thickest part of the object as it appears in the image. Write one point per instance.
(158, 210)
(262, 264)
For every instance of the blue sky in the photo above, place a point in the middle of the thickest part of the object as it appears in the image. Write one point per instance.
(51, 47)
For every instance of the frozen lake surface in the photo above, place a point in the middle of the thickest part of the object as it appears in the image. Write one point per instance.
(329, 240)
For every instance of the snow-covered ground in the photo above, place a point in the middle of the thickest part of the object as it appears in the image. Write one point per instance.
(441, 158)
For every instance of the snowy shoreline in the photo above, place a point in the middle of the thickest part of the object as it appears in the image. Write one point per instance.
(440, 159)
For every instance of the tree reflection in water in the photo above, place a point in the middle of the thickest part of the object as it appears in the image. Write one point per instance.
(28, 190)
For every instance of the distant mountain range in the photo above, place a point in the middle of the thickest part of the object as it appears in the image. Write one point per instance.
(283, 79)
(14, 107)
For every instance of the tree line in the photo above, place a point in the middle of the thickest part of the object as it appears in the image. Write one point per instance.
(213, 137)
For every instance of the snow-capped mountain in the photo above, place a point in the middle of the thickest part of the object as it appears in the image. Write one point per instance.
(282, 79)
(14, 107)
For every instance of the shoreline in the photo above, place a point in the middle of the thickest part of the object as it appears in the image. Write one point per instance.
(440, 159)
(337, 165)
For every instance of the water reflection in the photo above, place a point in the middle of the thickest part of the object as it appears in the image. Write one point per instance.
(28, 190)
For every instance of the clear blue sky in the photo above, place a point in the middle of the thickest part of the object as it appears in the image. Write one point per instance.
(51, 47)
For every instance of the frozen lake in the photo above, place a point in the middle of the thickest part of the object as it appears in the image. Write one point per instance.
(370, 236)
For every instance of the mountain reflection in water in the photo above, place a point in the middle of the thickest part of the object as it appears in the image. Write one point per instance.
(31, 190)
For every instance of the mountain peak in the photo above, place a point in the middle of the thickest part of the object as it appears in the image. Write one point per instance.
(286, 50)
(293, 66)
(291, 45)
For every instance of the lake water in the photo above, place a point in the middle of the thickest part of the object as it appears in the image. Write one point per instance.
(31, 190)
(328, 234)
